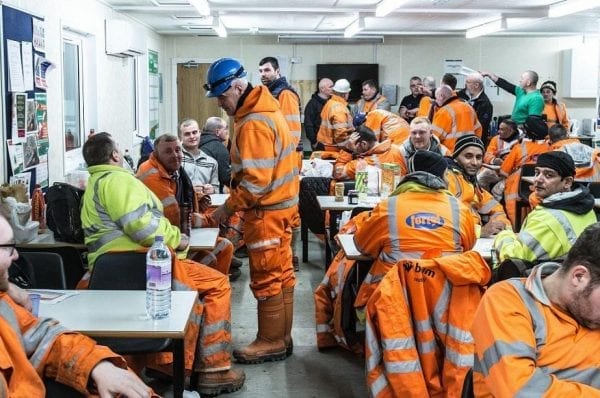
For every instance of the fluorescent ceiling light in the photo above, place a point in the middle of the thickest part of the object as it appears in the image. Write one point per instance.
(570, 7)
(486, 28)
(219, 28)
(201, 5)
(355, 27)
(386, 6)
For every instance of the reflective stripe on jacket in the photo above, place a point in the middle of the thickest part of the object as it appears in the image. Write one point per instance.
(383, 152)
(336, 121)
(498, 148)
(453, 120)
(526, 346)
(377, 102)
(264, 167)
(418, 340)
(387, 125)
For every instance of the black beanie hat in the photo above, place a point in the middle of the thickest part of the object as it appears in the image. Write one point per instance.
(466, 141)
(559, 161)
(535, 127)
(549, 84)
(428, 161)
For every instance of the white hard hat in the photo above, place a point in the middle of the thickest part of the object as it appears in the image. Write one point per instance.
(342, 86)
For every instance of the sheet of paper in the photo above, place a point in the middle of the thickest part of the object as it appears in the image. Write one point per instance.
(15, 67)
(39, 35)
(27, 60)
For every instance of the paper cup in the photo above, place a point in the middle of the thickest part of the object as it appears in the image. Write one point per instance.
(35, 303)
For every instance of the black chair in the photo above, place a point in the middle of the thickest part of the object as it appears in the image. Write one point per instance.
(74, 267)
(311, 216)
(55, 389)
(127, 271)
(522, 204)
(48, 269)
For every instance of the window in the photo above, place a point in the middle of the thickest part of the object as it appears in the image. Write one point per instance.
(72, 93)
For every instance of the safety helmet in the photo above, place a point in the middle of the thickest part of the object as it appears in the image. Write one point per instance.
(342, 86)
(359, 119)
(220, 75)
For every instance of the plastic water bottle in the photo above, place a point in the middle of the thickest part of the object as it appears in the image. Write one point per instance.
(158, 280)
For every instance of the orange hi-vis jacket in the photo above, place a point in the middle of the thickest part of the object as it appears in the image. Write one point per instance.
(453, 120)
(377, 102)
(154, 175)
(264, 171)
(418, 341)
(525, 345)
(498, 148)
(336, 122)
(32, 348)
(485, 208)
(401, 227)
(289, 103)
(382, 152)
(556, 113)
(581, 153)
(387, 125)
(426, 106)
(525, 152)
(592, 172)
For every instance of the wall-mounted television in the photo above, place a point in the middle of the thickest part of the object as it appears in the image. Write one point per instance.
(354, 73)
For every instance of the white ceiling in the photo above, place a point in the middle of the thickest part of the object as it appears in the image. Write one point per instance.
(331, 17)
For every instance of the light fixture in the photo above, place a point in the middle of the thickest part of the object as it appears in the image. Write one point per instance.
(355, 27)
(218, 27)
(570, 7)
(385, 7)
(486, 28)
(201, 6)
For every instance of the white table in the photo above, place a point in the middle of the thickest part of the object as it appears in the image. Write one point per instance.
(122, 313)
(346, 242)
(327, 202)
(484, 247)
(217, 199)
(45, 239)
(203, 238)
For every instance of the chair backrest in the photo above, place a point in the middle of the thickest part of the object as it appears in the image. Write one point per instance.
(48, 269)
(310, 212)
(594, 188)
(119, 271)
(527, 170)
(72, 261)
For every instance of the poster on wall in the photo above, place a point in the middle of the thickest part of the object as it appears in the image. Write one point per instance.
(31, 116)
(39, 35)
(15, 155)
(153, 93)
(31, 158)
(41, 114)
(15, 66)
(19, 110)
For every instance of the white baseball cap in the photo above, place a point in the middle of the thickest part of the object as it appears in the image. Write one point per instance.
(342, 86)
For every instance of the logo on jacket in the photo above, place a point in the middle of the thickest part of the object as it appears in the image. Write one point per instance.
(424, 221)
(410, 266)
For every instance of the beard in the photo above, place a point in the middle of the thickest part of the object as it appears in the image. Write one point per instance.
(579, 309)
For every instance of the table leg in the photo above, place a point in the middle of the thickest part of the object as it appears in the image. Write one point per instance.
(178, 368)
(304, 236)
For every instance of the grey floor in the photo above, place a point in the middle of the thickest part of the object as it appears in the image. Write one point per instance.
(308, 372)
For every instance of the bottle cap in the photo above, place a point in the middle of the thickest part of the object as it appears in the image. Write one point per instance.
(158, 238)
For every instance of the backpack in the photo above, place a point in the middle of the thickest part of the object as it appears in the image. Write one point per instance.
(63, 212)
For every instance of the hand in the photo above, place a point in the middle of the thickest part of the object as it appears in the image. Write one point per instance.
(492, 228)
(19, 296)
(209, 189)
(184, 242)
(204, 203)
(412, 112)
(111, 380)
(221, 214)
(491, 75)
(497, 161)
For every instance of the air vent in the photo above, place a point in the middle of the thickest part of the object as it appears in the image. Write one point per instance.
(324, 39)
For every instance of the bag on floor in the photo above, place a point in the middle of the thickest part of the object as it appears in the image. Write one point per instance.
(63, 212)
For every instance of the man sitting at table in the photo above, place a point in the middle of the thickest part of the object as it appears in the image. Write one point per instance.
(565, 208)
(119, 213)
(164, 174)
(462, 182)
(32, 347)
(363, 144)
(421, 139)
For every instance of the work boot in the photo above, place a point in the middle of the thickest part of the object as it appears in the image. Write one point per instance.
(288, 306)
(234, 274)
(296, 263)
(242, 252)
(212, 384)
(235, 263)
(269, 344)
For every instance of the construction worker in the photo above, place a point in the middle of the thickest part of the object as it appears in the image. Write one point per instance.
(421, 139)
(427, 102)
(498, 148)
(526, 152)
(34, 347)
(386, 125)
(336, 120)
(462, 182)
(165, 176)
(363, 144)
(213, 142)
(453, 117)
(371, 99)
(289, 103)
(474, 95)
(539, 336)
(565, 210)
(560, 141)
(264, 185)
(119, 213)
(410, 103)
(554, 111)
(312, 111)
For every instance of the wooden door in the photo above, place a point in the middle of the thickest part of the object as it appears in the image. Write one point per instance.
(191, 96)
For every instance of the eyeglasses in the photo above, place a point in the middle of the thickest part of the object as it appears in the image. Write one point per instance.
(11, 246)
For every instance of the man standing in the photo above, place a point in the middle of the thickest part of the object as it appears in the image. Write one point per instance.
(473, 93)
(119, 213)
(371, 98)
(555, 112)
(312, 111)
(264, 185)
(410, 104)
(528, 99)
(453, 118)
(551, 228)
(213, 139)
(336, 120)
(539, 336)
(289, 103)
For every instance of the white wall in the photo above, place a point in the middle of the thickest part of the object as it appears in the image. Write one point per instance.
(399, 59)
(111, 75)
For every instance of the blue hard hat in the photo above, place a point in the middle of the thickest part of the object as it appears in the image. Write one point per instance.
(220, 75)
(359, 119)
